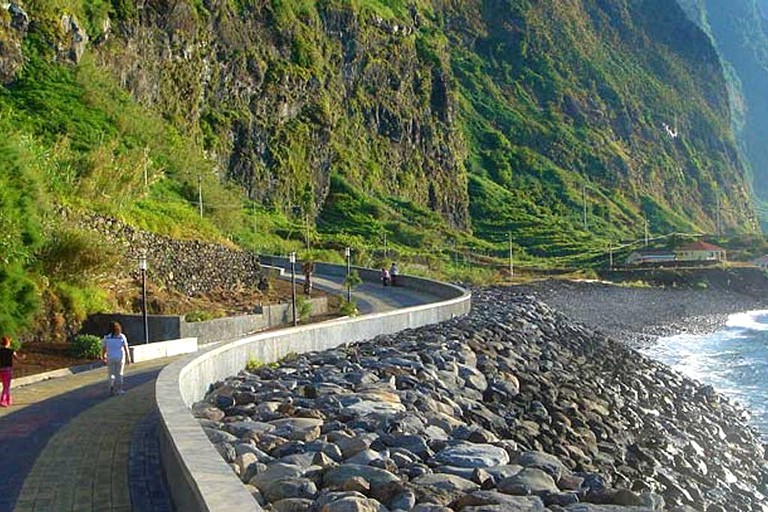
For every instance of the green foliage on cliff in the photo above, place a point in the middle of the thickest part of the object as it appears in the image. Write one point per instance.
(435, 127)
(739, 31)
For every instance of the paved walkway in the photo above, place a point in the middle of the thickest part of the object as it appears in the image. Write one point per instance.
(65, 441)
(66, 445)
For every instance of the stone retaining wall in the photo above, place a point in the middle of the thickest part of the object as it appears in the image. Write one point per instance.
(198, 477)
(190, 266)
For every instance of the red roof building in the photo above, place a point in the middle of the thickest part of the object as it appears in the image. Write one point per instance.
(700, 251)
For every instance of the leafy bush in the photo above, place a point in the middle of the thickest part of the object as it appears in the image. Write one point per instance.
(78, 302)
(75, 256)
(348, 308)
(701, 285)
(85, 346)
(16, 344)
(253, 364)
(352, 279)
(303, 308)
(199, 316)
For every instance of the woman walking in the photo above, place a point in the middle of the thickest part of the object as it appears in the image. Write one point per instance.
(7, 355)
(114, 352)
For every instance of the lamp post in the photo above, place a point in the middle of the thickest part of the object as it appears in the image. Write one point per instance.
(143, 268)
(348, 255)
(292, 259)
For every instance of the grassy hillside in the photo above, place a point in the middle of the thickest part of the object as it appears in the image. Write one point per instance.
(430, 128)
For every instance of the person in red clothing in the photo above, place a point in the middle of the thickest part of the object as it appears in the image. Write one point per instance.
(7, 355)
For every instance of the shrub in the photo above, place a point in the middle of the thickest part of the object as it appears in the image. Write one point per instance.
(253, 364)
(85, 346)
(352, 279)
(348, 308)
(199, 316)
(77, 256)
(303, 308)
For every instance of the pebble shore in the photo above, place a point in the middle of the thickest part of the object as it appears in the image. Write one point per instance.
(638, 315)
(512, 408)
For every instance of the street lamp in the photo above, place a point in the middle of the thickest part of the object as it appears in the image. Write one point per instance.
(348, 255)
(292, 259)
(143, 268)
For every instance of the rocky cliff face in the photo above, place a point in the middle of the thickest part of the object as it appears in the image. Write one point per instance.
(740, 32)
(498, 115)
(284, 98)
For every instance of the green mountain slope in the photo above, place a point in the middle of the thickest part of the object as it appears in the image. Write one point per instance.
(429, 123)
(739, 30)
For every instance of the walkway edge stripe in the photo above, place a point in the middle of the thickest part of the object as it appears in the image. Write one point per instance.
(198, 478)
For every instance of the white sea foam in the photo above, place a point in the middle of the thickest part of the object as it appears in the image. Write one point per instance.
(752, 320)
(734, 360)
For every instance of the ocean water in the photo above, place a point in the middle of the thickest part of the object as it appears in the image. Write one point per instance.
(733, 360)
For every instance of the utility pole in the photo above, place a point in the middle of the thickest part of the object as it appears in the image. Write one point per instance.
(200, 194)
(511, 260)
(146, 177)
(646, 230)
(717, 217)
(584, 199)
(292, 259)
(610, 256)
(386, 248)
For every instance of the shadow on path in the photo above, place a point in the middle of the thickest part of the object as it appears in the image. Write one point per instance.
(25, 433)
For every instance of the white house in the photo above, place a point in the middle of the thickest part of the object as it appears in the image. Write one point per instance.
(700, 251)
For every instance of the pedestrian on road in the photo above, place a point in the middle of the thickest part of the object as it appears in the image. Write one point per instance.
(393, 273)
(7, 355)
(114, 352)
(385, 277)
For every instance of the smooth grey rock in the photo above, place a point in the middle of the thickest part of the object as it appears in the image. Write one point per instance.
(431, 507)
(285, 488)
(406, 500)
(533, 479)
(504, 501)
(366, 407)
(243, 428)
(219, 436)
(227, 451)
(349, 446)
(297, 429)
(502, 472)
(244, 461)
(589, 507)
(353, 504)
(364, 457)
(292, 505)
(335, 477)
(441, 488)
(275, 471)
(470, 455)
(544, 461)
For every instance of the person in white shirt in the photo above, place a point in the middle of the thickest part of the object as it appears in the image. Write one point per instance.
(114, 352)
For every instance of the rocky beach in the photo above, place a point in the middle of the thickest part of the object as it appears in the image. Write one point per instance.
(637, 315)
(515, 407)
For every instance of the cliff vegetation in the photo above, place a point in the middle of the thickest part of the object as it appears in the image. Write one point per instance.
(429, 127)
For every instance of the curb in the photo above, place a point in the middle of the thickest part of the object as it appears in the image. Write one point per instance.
(54, 374)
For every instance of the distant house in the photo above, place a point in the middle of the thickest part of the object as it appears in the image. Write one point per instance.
(650, 257)
(761, 262)
(700, 251)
